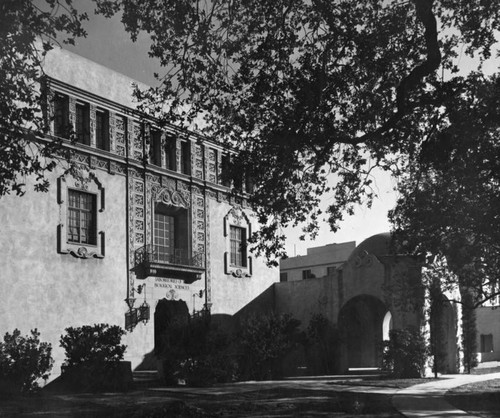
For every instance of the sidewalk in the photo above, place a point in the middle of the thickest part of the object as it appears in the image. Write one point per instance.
(427, 399)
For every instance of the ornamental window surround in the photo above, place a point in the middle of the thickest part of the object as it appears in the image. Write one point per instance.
(238, 246)
(82, 217)
(81, 204)
(237, 229)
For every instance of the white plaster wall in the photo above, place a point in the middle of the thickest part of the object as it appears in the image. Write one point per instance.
(49, 291)
(302, 299)
(488, 322)
(230, 294)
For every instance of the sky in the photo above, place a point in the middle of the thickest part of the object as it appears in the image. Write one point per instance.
(108, 44)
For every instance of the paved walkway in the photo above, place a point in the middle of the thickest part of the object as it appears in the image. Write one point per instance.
(427, 399)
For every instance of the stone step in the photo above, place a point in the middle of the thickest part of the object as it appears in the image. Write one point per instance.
(144, 379)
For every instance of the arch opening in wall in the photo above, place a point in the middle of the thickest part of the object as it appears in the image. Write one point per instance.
(361, 326)
(386, 326)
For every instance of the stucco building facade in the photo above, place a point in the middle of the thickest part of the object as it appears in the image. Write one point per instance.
(145, 217)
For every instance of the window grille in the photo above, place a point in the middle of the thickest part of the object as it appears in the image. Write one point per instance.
(238, 246)
(164, 237)
(81, 217)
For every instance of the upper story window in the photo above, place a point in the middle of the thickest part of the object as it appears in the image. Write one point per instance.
(238, 246)
(155, 149)
(171, 234)
(186, 157)
(62, 127)
(171, 153)
(81, 217)
(283, 277)
(102, 129)
(82, 125)
(306, 274)
(225, 176)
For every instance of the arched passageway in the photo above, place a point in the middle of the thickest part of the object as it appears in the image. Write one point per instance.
(363, 322)
(168, 312)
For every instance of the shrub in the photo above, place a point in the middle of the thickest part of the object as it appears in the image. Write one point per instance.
(264, 340)
(93, 355)
(469, 332)
(194, 350)
(323, 336)
(405, 353)
(99, 343)
(24, 360)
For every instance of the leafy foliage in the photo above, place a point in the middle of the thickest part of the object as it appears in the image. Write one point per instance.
(24, 360)
(469, 332)
(263, 340)
(321, 332)
(312, 94)
(450, 194)
(28, 30)
(93, 344)
(195, 350)
(405, 353)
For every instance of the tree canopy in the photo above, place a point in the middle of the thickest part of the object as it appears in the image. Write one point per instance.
(28, 29)
(314, 94)
(310, 91)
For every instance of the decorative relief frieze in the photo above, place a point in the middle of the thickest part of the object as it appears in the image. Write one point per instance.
(120, 151)
(120, 123)
(211, 194)
(363, 259)
(153, 178)
(139, 238)
(120, 138)
(170, 197)
(139, 199)
(92, 113)
(102, 163)
(138, 186)
(208, 264)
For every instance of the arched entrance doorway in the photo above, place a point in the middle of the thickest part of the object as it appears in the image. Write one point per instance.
(168, 312)
(363, 320)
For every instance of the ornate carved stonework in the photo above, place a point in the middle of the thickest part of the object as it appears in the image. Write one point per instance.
(92, 112)
(237, 217)
(170, 197)
(364, 259)
(208, 264)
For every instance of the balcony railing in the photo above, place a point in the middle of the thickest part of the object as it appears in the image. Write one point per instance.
(157, 260)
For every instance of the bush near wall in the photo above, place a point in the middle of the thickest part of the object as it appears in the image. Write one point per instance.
(197, 352)
(94, 355)
(406, 353)
(23, 361)
(263, 340)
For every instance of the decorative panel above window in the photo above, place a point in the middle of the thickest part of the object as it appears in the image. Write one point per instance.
(81, 200)
(237, 229)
